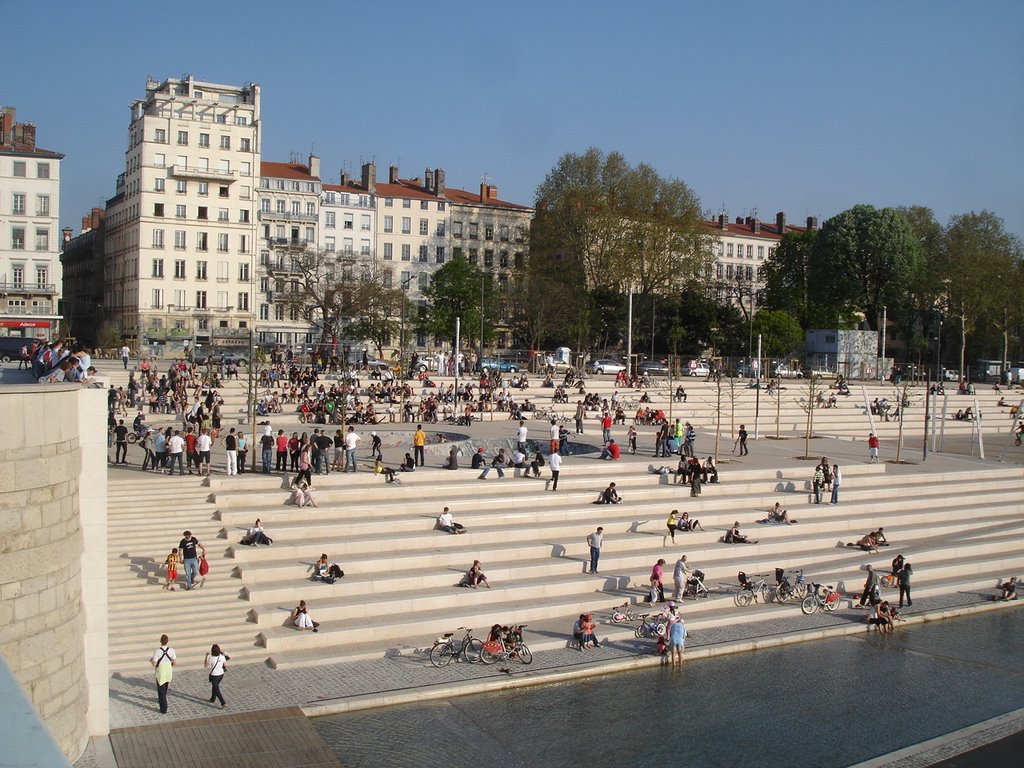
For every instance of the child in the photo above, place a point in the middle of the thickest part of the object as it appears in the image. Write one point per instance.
(631, 440)
(171, 565)
(661, 647)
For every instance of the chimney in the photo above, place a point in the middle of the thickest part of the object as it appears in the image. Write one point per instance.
(25, 133)
(66, 233)
(812, 222)
(393, 174)
(345, 179)
(428, 180)
(439, 181)
(483, 192)
(780, 222)
(757, 226)
(7, 115)
(739, 219)
(723, 221)
(314, 166)
(370, 178)
(488, 192)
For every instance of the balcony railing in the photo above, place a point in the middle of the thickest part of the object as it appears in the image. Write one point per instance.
(191, 172)
(289, 242)
(274, 216)
(32, 288)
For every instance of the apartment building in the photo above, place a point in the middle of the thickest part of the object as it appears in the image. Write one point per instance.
(289, 227)
(30, 273)
(82, 264)
(181, 229)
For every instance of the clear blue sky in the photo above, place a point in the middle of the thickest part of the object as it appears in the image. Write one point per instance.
(806, 107)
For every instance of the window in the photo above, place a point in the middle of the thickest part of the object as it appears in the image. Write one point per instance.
(246, 169)
(440, 205)
(423, 253)
(389, 224)
(406, 225)
(488, 258)
(179, 211)
(310, 234)
(222, 214)
(503, 233)
(346, 245)
(347, 220)
(474, 256)
(264, 205)
(456, 229)
(18, 238)
(158, 238)
(264, 311)
(406, 277)
(225, 142)
(245, 145)
(388, 251)
(406, 252)
(456, 253)
(439, 254)
(179, 239)
(388, 202)
(43, 240)
(158, 185)
(311, 209)
(222, 302)
(181, 186)
(279, 311)
(440, 229)
(201, 275)
(18, 204)
(718, 271)
(222, 242)
(19, 168)
(728, 270)
(407, 203)
(388, 280)
(728, 250)
(202, 241)
(243, 243)
(750, 253)
(179, 274)
(243, 216)
(423, 205)
(243, 272)
(160, 136)
(423, 281)
(222, 271)
(474, 231)
(330, 220)
(160, 160)
(158, 209)
(519, 234)
(203, 213)
(204, 139)
(243, 301)
(201, 299)
(503, 259)
(224, 166)
(329, 244)
(488, 232)
(158, 298)
(424, 226)
(204, 188)
(43, 170)
(183, 138)
(750, 273)
(281, 206)
(18, 275)
(364, 222)
(296, 205)
(158, 268)
(760, 252)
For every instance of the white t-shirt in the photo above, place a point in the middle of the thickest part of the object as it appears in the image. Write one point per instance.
(352, 441)
(554, 431)
(521, 434)
(555, 462)
(445, 518)
(125, 352)
(203, 442)
(176, 443)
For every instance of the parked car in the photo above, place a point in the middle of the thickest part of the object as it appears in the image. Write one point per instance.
(653, 368)
(783, 371)
(950, 374)
(493, 364)
(213, 355)
(745, 371)
(10, 348)
(606, 366)
(698, 368)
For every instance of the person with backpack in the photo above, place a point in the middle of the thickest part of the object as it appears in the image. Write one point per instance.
(163, 660)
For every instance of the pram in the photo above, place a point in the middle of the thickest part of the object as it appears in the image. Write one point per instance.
(694, 586)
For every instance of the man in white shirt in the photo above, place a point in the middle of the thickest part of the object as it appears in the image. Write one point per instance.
(176, 449)
(203, 445)
(521, 437)
(446, 523)
(125, 354)
(555, 463)
(163, 659)
(594, 541)
(351, 443)
(679, 577)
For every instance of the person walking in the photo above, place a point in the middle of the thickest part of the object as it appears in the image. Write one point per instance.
(870, 588)
(837, 478)
(679, 575)
(120, 443)
(163, 660)
(375, 445)
(555, 463)
(872, 448)
(689, 440)
(125, 354)
(671, 523)
(521, 437)
(903, 579)
(190, 549)
(580, 413)
(606, 427)
(204, 444)
(657, 587)
(216, 662)
(741, 437)
(351, 443)
(419, 439)
(595, 541)
(231, 446)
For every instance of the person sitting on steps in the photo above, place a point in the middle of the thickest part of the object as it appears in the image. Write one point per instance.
(688, 524)
(447, 524)
(1009, 589)
(609, 495)
(733, 536)
(474, 577)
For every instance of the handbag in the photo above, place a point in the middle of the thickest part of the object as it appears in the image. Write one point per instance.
(204, 566)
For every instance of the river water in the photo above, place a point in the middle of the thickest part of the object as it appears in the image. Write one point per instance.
(818, 704)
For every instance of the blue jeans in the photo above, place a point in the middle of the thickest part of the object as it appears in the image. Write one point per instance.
(817, 493)
(835, 493)
(350, 459)
(191, 571)
(595, 555)
(267, 455)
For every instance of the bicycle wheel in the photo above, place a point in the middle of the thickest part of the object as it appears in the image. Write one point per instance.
(471, 650)
(642, 631)
(810, 604)
(441, 655)
(832, 602)
(525, 654)
(618, 617)
(773, 595)
(489, 654)
(800, 591)
(744, 598)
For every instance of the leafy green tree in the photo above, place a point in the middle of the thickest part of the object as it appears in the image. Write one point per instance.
(785, 275)
(863, 260)
(780, 333)
(917, 317)
(455, 292)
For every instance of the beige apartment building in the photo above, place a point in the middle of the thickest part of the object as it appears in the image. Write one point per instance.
(30, 271)
(181, 229)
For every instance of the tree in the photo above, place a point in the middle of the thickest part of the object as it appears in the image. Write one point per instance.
(626, 227)
(785, 276)
(455, 292)
(918, 315)
(549, 303)
(780, 333)
(863, 259)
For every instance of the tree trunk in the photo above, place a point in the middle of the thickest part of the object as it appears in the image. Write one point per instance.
(718, 415)
(963, 346)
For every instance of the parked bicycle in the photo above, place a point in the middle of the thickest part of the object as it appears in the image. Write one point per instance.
(650, 627)
(822, 597)
(784, 591)
(444, 651)
(624, 612)
(751, 589)
(509, 646)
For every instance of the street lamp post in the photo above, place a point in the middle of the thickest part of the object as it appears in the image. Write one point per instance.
(938, 353)
(480, 349)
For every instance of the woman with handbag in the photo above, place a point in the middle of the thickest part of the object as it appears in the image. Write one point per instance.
(216, 662)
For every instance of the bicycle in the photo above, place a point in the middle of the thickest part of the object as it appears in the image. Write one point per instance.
(444, 651)
(822, 597)
(624, 612)
(650, 627)
(784, 591)
(509, 647)
(751, 590)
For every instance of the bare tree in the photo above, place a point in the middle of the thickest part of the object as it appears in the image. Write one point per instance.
(809, 406)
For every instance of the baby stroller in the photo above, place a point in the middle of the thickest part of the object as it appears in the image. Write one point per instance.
(695, 586)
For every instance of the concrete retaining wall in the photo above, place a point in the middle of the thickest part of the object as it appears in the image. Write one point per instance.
(52, 526)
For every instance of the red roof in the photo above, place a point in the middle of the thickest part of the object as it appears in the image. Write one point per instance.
(413, 188)
(286, 171)
(769, 230)
(473, 198)
(23, 149)
(353, 188)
